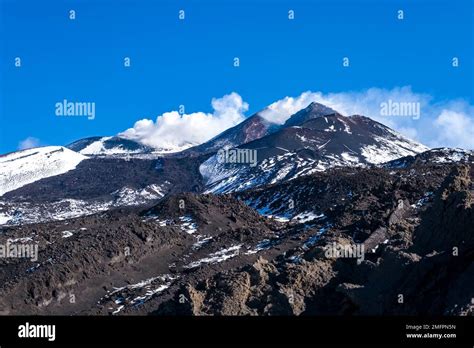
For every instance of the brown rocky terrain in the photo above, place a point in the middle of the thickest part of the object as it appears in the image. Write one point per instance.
(262, 251)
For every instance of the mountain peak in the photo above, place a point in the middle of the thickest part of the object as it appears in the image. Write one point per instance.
(313, 110)
(315, 106)
(252, 128)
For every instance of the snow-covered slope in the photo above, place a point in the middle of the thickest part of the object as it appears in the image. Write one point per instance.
(24, 167)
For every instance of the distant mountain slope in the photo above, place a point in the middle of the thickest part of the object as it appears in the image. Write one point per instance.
(255, 127)
(108, 146)
(317, 143)
(97, 184)
(20, 168)
(251, 129)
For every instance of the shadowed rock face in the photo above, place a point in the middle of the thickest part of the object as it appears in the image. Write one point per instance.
(413, 272)
(449, 222)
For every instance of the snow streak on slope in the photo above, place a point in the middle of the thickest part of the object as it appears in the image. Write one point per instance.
(24, 167)
(128, 196)
(19, 213)
(224, 178)
(97, 147)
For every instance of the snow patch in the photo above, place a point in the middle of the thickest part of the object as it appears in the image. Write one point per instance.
(25, 167)
(187, 225)
(217, 257)
(67, 234)
(306, 217)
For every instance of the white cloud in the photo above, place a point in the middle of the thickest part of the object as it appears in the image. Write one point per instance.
(366, 102)
(409, 132)
(173, 131)
(439, 124)
(454, 128)
(28, 143)
(279, 111)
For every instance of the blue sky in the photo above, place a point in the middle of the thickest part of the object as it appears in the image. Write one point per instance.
(190, 61)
